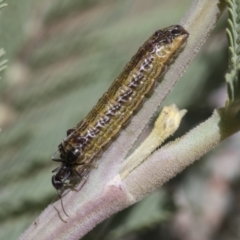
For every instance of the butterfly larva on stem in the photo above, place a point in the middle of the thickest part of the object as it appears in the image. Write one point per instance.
(124, 97)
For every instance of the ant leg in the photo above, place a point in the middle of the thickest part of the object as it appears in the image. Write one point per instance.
(62, 204)
(77, 173)
(66, 177)
(56, 169)
(93, 166)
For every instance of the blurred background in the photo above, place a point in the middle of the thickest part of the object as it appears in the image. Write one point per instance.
(62, 56)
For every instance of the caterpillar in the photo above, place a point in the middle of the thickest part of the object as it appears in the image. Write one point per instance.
(115, 108)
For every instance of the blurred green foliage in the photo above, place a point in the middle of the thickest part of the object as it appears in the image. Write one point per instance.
(62, 56)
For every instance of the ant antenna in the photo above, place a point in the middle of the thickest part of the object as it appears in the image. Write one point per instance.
(62, 204)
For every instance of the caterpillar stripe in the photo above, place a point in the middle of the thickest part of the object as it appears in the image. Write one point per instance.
(115, 108)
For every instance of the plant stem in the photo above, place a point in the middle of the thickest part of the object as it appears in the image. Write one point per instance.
(104, 193)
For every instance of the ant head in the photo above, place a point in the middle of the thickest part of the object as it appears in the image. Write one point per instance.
(57, 183)
(62, 175)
